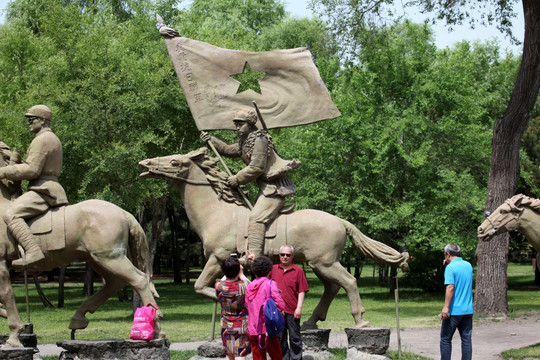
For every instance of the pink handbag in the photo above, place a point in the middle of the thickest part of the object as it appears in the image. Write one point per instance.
(143, 323)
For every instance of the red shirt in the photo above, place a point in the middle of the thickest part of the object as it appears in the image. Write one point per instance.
(291, 283)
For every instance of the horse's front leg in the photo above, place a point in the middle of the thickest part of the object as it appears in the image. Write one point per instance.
(208, 276)
(8, 298)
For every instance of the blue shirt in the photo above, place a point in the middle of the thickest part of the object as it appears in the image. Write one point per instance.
(460, 274)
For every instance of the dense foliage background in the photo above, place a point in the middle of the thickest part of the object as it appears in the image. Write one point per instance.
(407, 162)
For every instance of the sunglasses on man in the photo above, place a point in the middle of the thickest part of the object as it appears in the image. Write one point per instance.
(285, 255)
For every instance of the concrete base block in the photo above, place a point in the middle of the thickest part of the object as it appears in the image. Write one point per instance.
(17, 353)
(369, 340)
(315, 340)
(355, 354)
(27, 337)
(211, 350)
(114, 349)
(317, 355)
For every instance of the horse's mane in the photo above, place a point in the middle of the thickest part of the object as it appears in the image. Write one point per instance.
(5, 152)
(215, 176)
(517, 201)
(13, 187)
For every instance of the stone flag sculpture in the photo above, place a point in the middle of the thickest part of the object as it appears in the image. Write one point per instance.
(292, 91)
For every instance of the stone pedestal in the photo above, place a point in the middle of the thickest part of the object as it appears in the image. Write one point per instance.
(315, 339)
(17, 353)
(115, 349)
(355, 354)
(367, 343)
(27, 337)
(212, 350)
(315, 344)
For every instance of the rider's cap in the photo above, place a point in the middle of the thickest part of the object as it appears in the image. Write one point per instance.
(41, 111)
(244, 115)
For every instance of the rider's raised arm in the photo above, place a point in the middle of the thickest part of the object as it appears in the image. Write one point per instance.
(226, 149)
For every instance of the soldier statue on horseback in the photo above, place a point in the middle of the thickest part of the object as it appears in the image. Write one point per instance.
(42, 168)
(256, 148)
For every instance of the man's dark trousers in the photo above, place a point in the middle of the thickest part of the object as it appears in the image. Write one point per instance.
(292, 351)
(464, 324)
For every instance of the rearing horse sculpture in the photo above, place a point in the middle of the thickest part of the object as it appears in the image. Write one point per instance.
(215, 211)
(520, 213)
(97, 232)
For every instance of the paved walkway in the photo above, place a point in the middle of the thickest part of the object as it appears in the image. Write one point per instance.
(490, 338)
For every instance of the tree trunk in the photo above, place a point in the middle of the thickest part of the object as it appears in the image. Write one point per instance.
(40, 292)
(188, 256)
(136, 301)
(61, 279)
(88, 288)
(492, 257)
(177, 275)
(123, 295)
(158, 213)
(393, 280)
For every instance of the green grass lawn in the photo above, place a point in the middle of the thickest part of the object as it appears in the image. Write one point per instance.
(188, 316)
(339, 354)
(529, 352)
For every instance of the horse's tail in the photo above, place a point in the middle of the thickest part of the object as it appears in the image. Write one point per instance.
(138, 246)
(374, 249)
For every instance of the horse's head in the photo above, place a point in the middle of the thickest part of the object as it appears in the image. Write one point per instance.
(195, 168)
(172, 167)
(505, 218)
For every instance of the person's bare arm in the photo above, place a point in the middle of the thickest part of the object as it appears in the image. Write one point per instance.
(447, 299)
(298, 310)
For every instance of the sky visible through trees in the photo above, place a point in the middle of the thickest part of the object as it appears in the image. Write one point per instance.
(299, 8)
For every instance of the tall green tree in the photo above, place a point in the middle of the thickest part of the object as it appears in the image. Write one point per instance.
(492, 257)
(409, 153)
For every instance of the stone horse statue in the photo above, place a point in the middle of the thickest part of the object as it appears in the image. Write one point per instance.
(97, 232)
(520, 213)
(217, 214)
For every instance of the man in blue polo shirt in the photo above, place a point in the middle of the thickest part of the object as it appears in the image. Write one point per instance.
(457, 312)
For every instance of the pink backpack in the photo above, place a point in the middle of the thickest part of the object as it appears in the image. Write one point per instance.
(143, 323)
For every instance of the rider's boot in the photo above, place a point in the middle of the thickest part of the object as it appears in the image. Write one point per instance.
(256, 238)
(22, 233)
(255, 241)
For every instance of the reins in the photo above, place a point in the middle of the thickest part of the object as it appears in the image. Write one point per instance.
(177, 177)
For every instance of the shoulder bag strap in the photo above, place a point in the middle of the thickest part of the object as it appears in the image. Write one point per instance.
(268, 293)
(261, 314)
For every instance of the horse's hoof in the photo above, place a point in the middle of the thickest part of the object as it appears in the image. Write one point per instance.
(308, 326)
(78, 323)
(363, 324)
(13, 343)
